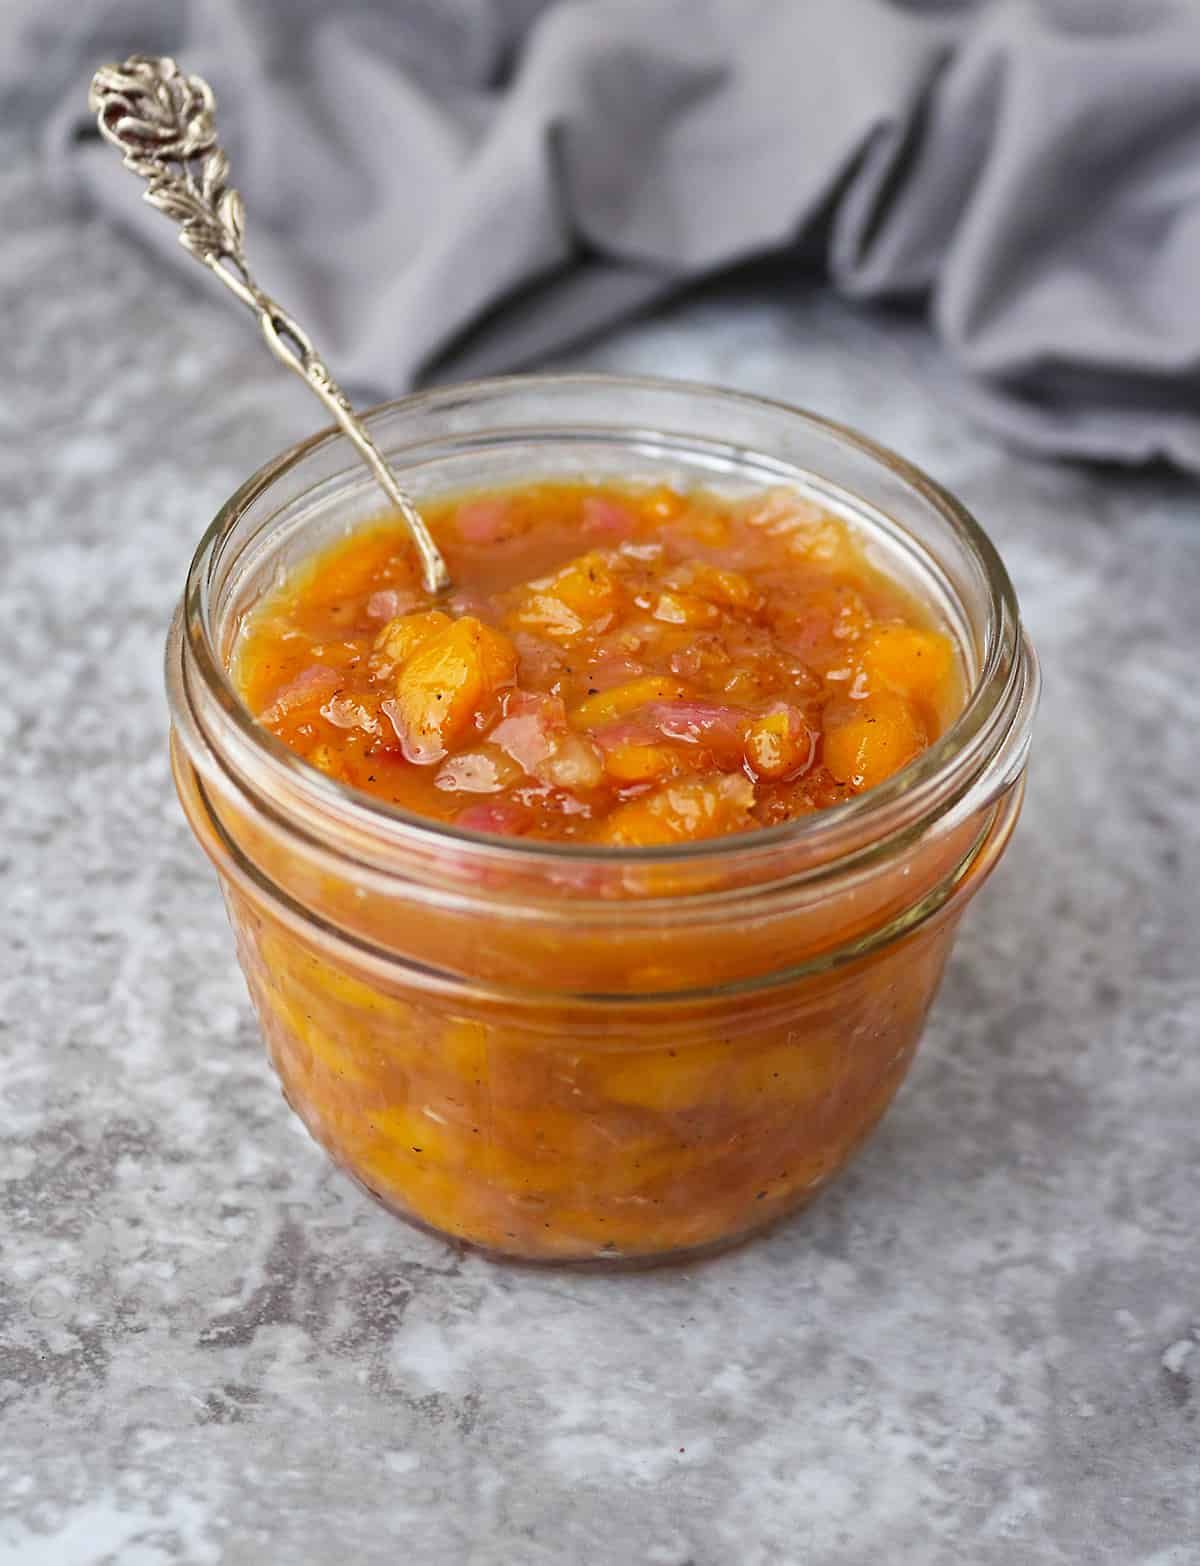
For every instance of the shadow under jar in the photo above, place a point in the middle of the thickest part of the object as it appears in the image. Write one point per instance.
(566, 1053)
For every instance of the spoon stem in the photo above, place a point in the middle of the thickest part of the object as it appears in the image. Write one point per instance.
(162, 123)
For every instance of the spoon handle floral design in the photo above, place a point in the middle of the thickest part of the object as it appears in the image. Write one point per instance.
(162, 122)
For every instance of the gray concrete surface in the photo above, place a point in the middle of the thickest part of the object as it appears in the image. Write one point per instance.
(983, 1345)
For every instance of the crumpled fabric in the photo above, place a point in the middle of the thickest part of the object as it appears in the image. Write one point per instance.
(439, 188)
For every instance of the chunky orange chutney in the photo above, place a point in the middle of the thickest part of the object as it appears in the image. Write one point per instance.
(617, 668)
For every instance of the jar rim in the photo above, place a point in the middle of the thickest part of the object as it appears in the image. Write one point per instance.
(1004, 690)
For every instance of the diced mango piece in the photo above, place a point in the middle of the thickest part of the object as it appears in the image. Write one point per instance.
(463, 1049)
(866, 741)
(440, 687)
(309, 976)
(328, 1051)
(741, 687)
(682, 811)
(547, 615)
(729, 588)
(662, 504)
(665, 1080)
(634, 763)
(444, 1198)
(405, 1134)
(779, 744)
(678, 608)
(573, 764)
(408, 633)
(690, 1074)
(588, 586)
(913, 662)
(622, 699)
(544, 1149)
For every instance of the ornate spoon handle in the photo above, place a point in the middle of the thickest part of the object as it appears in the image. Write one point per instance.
(162, 122)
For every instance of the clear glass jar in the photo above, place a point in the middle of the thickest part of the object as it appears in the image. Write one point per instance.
(569, 1054)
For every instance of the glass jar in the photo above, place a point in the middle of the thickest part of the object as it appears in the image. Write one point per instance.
(564, 1053)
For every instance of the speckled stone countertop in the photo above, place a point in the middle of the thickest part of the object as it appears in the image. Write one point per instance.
(982, 1345)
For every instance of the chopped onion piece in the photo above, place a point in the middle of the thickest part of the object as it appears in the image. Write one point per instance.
(475, 772)
(346, 713)
(310, 685)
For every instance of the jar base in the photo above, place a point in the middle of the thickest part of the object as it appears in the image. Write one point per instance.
(602, 1262)
(613, 1262)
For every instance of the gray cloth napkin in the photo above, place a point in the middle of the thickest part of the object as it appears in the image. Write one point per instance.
(443, 187)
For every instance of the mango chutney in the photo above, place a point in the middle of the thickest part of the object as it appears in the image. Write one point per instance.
(592, 912)
(620, 667)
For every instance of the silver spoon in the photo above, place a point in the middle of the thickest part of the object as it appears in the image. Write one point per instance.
(162, 122)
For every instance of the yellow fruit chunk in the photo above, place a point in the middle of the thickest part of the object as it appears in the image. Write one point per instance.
(666, 1080)
(588, 587)
(547, 615)
(718, 586)
(440, 687)
(294, 965)
(866, 741)
(662, 503)
(573, 763)
(795, 1071)
(582, 1158)
(719, 1071)
(915, 663)
(327, 1050)
(622, 699)
(681, 812)
(407, 633)
(743, 688)
(405, 1134)
(634, 763)
(779, 745)
(684, 609)
(444, 1199)
(463, 1050)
